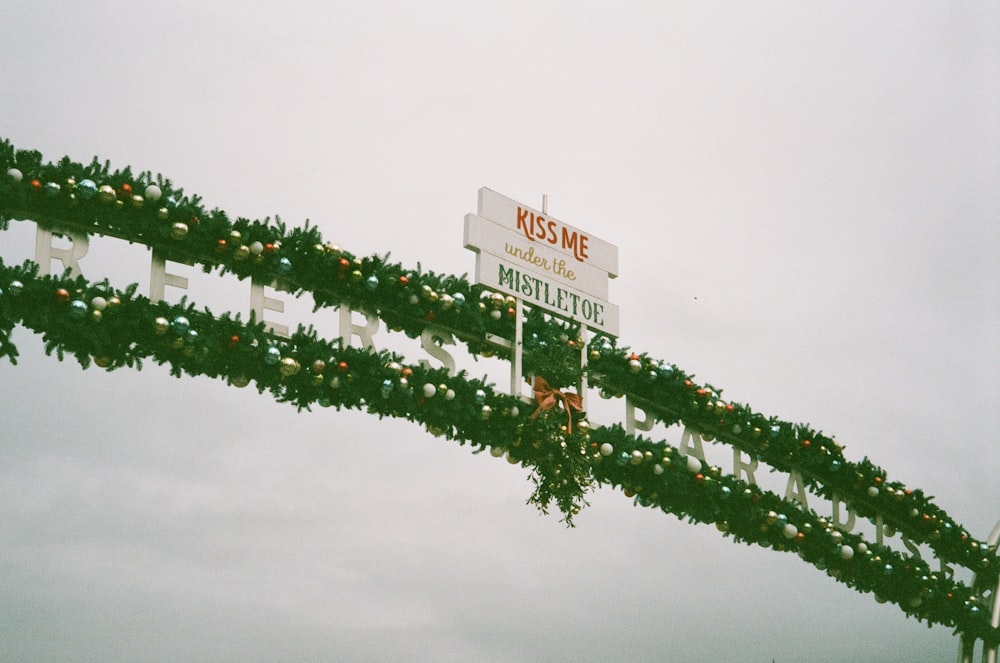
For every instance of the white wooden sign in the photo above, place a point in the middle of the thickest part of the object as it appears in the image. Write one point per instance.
(543, 230)
(542, 261)
(537, 290)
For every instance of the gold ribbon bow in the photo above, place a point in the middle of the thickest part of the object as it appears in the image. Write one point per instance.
(547, 397)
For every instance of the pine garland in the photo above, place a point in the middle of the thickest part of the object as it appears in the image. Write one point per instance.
(118, 328)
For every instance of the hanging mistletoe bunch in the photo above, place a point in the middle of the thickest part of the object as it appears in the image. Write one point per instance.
(554, 441)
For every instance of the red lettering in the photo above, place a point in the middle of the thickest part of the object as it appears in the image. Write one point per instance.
(539, 221)
(522, 222)
(575, 241)
(553, 237)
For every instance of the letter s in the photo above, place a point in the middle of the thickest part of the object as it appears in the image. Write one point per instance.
(432, 341)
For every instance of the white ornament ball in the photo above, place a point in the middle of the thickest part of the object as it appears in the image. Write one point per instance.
(429, 390)
(693, 464)
(872, 491)
(607, 449)
(256, 248)
(98, 303)
(789, 531)
(15, 174)
(846, 552)
(152, 193)
(657, 469)
(449, 395)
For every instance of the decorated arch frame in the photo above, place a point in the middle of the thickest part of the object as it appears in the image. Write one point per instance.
(548, 433)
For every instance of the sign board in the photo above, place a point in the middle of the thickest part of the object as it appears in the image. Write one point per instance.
(542, 261)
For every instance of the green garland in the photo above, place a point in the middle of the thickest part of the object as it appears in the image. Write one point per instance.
(150, 210)
(111, 328)
(143, 209)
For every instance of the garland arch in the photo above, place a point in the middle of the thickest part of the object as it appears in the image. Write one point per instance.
(109, 327)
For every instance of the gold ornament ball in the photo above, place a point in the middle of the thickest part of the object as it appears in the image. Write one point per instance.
(289, 367)
(179, 230)
(241, 253)
(106, 194)
(160, 326)
(138, 201)
(114, 301)
(239, 381)
(102, 361)
(487, 412)
(177, 343)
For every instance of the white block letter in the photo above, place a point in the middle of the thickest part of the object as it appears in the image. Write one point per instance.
(159, 278)
(433, 341)
(45, 253)
(259, 301)
(348, 329)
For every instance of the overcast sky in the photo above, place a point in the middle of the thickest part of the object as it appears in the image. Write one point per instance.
(806, 204)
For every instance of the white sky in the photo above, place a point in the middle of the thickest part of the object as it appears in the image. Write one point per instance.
(806, 204)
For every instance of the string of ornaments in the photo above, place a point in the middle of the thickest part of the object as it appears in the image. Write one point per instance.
(566, 460)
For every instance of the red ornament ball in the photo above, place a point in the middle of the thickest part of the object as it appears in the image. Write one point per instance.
(62, 295)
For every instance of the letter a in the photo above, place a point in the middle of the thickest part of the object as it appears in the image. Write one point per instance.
(796, 489)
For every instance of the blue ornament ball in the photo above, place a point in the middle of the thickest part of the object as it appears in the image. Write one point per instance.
(372, 282)
(480, 396)
(86, 189)
(284, 266)
(272, 355)
(180, 325)
(77, 309)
